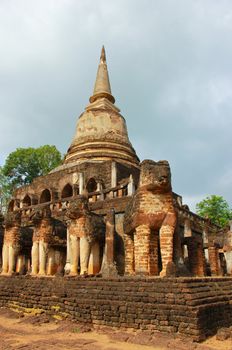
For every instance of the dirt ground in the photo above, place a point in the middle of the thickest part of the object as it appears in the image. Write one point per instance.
(18, 331)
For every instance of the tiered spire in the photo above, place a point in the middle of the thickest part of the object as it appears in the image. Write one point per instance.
(101, 132)
(102, 84)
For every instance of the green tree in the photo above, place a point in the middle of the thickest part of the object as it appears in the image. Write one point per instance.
(24, 164)
(216, 209)
(5, 191)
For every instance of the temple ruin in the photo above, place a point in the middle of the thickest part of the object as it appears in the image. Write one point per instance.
(105, 212)
(104, 239)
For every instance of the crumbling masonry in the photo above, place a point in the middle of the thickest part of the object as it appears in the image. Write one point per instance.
(107, 229)
(105, 213)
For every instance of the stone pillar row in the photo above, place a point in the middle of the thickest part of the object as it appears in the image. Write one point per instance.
(83, 249)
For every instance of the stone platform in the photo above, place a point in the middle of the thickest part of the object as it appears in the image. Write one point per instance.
(193, 307)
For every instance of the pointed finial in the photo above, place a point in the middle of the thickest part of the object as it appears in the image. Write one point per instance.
(103, 55)
(102, 84)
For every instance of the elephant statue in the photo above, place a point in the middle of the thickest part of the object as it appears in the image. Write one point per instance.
(150, 221)
(85, 238)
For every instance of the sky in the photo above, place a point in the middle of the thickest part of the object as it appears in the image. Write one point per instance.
(170, 67)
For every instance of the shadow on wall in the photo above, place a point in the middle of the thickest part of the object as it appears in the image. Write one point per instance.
(119, 253)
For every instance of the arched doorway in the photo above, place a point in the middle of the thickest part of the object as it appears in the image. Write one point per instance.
(26, 201)
(67, 191)
(45, 196)
(91, 185)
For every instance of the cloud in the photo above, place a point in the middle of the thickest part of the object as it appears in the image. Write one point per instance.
(191, 201)
(170, 71)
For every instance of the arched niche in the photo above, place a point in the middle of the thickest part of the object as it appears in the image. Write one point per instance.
(34, 200)
(91, 185)
(67, 191)
(27, 201)
(45, 196)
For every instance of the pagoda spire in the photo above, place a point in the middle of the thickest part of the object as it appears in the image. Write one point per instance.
(101, 132)
(103, 54)
(102, 84)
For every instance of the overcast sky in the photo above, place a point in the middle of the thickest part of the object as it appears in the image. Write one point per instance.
(170, 66)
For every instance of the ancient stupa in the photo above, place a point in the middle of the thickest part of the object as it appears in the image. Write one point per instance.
(102, 211)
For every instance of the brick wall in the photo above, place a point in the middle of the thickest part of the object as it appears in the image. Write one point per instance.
(195, 307)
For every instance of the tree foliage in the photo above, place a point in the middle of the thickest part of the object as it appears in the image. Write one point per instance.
(24, 164)
(216, 209)
(5, 191)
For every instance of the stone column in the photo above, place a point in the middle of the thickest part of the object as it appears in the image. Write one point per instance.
(67, 265)
(74, 254)
(196, 257)
(108, 266)
(75, 177)
(153, 262)
(201, 259)
(81, 183)
(84, 255)
(185, 252)
(12, 258)
(43, 250)
(129, 254)
(21, 265)
(110, 228)
(113, 175)
(51, 262)
(35, 258)
(131, 186)
(166, 250)
(5, 258)
(94, 259)
(142, 249)
(214, 260)
(99, 186)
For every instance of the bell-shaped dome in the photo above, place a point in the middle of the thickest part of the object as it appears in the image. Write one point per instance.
(101, 132)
